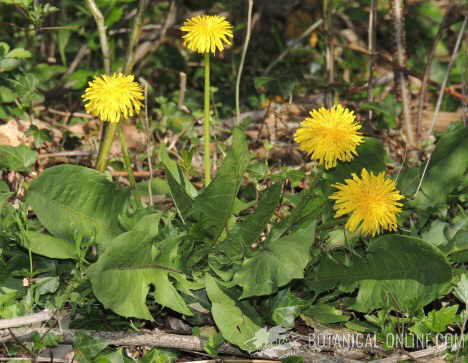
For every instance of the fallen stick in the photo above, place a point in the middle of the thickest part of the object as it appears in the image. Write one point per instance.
(26, 320)
(154, 338)
(157, 338)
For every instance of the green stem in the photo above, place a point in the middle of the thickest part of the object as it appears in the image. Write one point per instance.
(206, 123)
(126, 157)
(105, 147)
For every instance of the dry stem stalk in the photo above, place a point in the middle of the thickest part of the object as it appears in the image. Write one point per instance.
(441, 93)
(134, 37)
(453, 57)
(329, 50)
(244, 52)
(371, 47)
(292, 44)
(401, 77)
(99, 19)
(427, 70)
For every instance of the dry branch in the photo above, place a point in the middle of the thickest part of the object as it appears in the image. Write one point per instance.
(401, 77)
(135, 37)
(26, 320)
(99, 19)
(244, 52)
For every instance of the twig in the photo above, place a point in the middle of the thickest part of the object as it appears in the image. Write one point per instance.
(151, 46)
(66, 154)
(401, 77)
(82, 52)
(441, 95)
(405, 70)
(155, 338)
(453, 57)
(371, 46)
(27, 319)
(13, 336)
(149, 145)
(424, 353)
(67, 114)
(136, 174)
(329, 51)
(134, 37)
(427, 70)
(182, 88)
(292, 44)
(241, 64)
(99, 19)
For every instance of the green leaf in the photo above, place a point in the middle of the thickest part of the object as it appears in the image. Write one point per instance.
(390, 257)
(18, 158)
(70, 199)
(406, 296)
(113, 357)
(325, 314)
(6, 95)
(87, 348)
(214, 206)
(158, 186)
(159, 356)
(370, 155)
(237, 320)
(448, 165)
(293, 359)
(309, 206)
(46, 245)
(122, 276)
(284, 308)
(63, 37)
(4, 196)
(247, 231)
(19, 53)
(8, 64)
(278, 262)
(437, 321)
(461, 290)
(172, 169)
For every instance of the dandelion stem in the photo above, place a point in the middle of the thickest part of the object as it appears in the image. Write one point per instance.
(206, 123)
(106, 146)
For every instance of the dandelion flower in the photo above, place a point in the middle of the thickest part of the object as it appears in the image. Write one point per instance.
(113, 97)
(206, 33)
(329, 135)
(371, 201)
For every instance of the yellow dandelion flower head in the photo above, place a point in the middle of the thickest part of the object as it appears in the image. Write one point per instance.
(112, 97)
(329, 135)
(371, 200)
(206, 33)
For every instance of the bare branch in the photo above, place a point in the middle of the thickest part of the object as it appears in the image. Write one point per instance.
(99, 19)
(401, 77)
(134, 37)
(293, 43)
(27, 319)
(244, 52)
(371, 47)
(427, 70)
